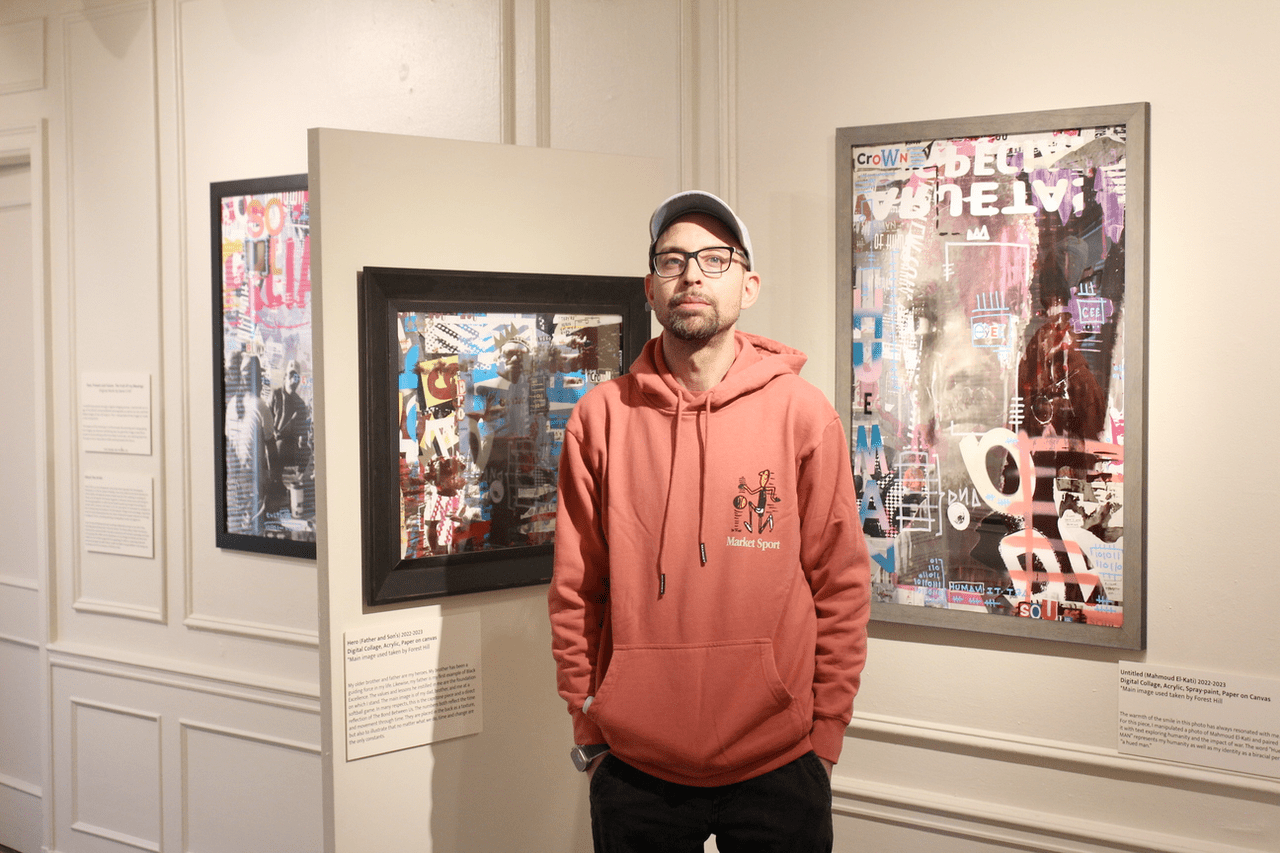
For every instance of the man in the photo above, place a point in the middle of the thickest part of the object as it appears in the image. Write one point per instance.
(292, 451)
(709, 661)
(250, 435)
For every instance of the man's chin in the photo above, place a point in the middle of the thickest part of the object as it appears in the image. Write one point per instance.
(694, 331)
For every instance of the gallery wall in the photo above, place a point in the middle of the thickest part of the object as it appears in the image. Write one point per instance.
(168, 690)
(1003, 739)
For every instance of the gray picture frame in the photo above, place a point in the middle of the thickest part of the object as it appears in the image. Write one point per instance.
(991, 346)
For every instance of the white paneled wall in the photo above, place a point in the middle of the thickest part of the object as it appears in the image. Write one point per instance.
(23, 497)
(172, 703)
(156, 760)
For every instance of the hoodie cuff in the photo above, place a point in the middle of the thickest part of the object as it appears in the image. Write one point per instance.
(827, 738)
(585, 731)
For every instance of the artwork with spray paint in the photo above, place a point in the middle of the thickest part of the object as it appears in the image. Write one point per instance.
(262, 273)
(987, 403)
(483, 400)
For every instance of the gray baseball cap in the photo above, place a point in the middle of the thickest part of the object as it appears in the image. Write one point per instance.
(697, 201)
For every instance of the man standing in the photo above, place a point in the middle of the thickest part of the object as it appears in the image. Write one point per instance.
(709, 661)
(293, 450)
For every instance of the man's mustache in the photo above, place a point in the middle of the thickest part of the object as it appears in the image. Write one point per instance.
(681, 298)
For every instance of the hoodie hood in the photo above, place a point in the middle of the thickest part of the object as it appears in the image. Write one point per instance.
(758, 362)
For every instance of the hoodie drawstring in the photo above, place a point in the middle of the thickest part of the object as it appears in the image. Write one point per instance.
(702, 423)
(702, 481)
(666, 510)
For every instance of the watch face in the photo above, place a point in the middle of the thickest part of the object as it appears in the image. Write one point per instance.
(583, 755)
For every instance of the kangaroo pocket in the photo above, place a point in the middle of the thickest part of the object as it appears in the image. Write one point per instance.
(701, 709)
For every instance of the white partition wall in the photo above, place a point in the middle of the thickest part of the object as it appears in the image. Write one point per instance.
(398, 201)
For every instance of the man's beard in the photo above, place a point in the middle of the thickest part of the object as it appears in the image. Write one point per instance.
(696, 327)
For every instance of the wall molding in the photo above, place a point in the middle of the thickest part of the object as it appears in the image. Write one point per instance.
(254, 630)
(708, 119)
(690, 94)
(728, 100)
(117, 608)
(241, 734)
(1042, 752)
(21, 786)
(19, 641)
(915, 809)
(542, 71)
(117, 837)
(246, 687)
(19, 583)
(1009, 827)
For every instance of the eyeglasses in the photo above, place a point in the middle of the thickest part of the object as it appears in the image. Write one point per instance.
(714, 261)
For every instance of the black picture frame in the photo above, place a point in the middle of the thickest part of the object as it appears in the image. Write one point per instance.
(991, 346)
(477, 366)
(264, 455)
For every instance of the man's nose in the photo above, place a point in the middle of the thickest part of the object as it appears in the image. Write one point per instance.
(692, 273)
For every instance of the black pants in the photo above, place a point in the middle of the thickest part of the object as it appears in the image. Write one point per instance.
(787, 810)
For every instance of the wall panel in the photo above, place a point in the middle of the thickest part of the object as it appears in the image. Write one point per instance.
(637, 112)
(23, 499)
(21, 757)
(152, 759)
(115, 781)
(22, 754)
(115, 287)
(269, 784)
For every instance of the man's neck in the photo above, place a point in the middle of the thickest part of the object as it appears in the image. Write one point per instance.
(699, 365)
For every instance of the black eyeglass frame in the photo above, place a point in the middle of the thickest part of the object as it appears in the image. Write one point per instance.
(653, 257)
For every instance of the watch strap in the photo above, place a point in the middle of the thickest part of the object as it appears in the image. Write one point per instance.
(584, 754)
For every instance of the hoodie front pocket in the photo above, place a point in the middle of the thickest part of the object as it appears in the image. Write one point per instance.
(701, 709)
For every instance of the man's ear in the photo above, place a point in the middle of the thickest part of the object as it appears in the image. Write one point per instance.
(750, 288)
(648, 289)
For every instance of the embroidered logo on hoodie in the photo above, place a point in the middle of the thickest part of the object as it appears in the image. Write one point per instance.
(753, 509)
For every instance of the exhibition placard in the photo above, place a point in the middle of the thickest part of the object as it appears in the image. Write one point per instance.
(1213, 719)
(412, 683)
(117, 513)
(115, 413)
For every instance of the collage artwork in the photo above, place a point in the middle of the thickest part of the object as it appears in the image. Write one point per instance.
(483, 403)
(988, 411)
(267, 366)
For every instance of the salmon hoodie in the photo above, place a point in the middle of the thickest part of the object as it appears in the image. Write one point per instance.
(710, 594)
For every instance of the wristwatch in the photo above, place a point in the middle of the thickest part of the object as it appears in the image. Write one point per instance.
(583, 755)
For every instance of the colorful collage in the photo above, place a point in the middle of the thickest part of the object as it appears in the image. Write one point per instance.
(988, 406)
(267, 377)
(483, 403)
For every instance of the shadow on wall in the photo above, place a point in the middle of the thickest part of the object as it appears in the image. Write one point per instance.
(511, 786)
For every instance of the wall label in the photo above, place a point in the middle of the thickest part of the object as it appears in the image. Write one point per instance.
(412, 683)
(1214, 719)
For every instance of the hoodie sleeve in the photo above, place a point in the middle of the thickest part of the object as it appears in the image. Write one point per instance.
(577, 598)
(836, 562)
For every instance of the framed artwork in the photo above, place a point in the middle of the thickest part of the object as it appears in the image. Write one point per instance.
(467, 380)
(991, 345)
(262, 366)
